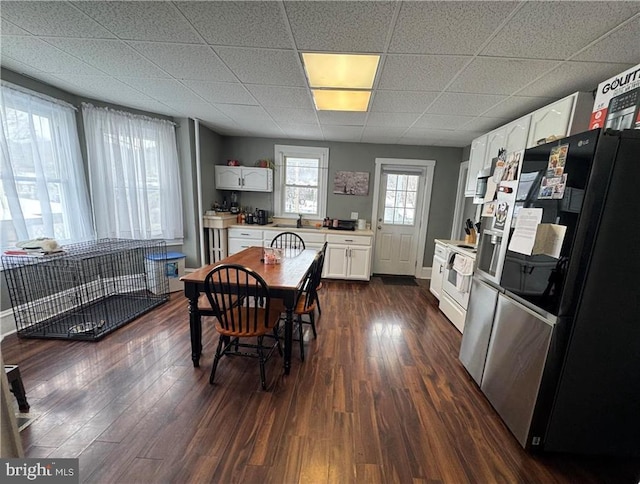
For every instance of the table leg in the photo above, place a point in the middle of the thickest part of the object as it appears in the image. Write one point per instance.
(288, 332)
(195, 328)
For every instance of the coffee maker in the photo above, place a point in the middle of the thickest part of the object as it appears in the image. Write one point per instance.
(263, 217)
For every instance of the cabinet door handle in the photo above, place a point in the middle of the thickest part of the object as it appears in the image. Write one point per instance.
(348, 240)
(239, 181)
(440, 269)
(243, 181)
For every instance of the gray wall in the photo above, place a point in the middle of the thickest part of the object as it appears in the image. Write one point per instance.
(361, 157)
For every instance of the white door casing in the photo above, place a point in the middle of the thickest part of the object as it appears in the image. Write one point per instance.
(399, 247)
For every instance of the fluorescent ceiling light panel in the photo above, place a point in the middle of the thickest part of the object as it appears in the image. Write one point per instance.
(340, 70)
(335, 100)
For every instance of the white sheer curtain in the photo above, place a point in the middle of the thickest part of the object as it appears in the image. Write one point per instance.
(134, 175)
(44, 191)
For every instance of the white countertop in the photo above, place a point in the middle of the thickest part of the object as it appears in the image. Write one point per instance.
(313, 230)
(454, 244)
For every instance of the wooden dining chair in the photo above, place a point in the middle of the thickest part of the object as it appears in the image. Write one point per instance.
(241, 303)
(324, 253)
(288, 240)
(308, 299)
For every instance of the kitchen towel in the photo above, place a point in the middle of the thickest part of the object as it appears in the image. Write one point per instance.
(464, 267)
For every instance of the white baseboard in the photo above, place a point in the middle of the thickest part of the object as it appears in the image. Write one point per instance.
(7, 323)
(424, 273)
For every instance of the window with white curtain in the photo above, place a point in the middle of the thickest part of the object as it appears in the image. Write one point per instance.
(134, 175)
(43, 191)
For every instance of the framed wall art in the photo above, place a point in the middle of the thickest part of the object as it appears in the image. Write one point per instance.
(351, 183)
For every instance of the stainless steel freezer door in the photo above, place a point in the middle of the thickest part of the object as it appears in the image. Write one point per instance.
(515, 361)
(477, 328)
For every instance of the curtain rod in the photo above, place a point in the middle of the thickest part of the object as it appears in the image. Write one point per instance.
(39, 95)
(127, 113)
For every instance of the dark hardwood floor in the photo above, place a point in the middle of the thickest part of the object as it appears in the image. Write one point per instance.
(380, 398)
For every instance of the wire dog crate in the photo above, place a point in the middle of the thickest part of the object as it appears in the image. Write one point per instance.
(87, 291)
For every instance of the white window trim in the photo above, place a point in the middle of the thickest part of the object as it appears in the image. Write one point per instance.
(282, 151)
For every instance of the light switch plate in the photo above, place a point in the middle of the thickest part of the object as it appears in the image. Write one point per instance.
(354, 215)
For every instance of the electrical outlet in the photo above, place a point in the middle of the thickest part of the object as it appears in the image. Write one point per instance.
(354, 215)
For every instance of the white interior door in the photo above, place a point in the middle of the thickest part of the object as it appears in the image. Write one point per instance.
(398, 220)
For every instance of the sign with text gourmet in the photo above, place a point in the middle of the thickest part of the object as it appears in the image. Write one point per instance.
(617, 103)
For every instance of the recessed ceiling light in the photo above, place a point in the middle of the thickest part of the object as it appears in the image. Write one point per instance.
(340, 100)
(352, 71)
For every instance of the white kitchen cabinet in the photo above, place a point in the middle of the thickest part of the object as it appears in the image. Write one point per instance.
(437, 269)
(565, 117)
(348, 257)
(241, 238)
(244, 178)
(516, 133)
(495, 143)
(476, 162)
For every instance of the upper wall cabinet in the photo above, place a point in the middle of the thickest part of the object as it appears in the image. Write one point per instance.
(565, 117)
(244, 178)
(562, 118)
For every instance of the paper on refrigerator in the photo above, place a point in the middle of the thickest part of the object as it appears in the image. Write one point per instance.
(530, 237)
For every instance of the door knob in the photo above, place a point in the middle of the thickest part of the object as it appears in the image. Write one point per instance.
(379, 227)
(380, 220)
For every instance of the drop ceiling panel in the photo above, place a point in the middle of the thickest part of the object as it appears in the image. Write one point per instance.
(111, 89)
(245, 24)
(515, 106)
(341, 118)
(53, 19)
(402, 101)
(200, 110)
(240, 112)
(392, 119)
(420, 72)
(287, 97)
(340, 26)
(7, 28)
(141, 20)
(162, 89)
(112, 56)
(262, 66)
(484, 124)
(448, 69)
(44, 57)
(555, 30)
(438, 121)
(292, 115)
(186, 61)
(464, 104)
(616, 47)
(571, 77)
(221, 92)
(377, 134)
(343, 133)
(491, 75)
(301, 131)
(447, 27)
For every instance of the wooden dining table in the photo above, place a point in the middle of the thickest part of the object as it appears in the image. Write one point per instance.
(284, 280)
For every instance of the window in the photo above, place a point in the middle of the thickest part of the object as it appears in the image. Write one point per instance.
(400, 199)
(301, 181)
(43, 191)
(134, 175)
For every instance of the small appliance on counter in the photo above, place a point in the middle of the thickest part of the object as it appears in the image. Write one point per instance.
(262, 217)
(337, 224)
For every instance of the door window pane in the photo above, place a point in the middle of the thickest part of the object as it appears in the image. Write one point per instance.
(400, 199)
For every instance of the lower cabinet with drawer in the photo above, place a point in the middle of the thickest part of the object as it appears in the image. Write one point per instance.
(348, 257)
(241, 238)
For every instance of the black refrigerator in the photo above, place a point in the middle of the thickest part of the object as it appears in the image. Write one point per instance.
(563, 362)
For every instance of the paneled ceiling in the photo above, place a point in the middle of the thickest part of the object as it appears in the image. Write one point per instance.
(449, 71)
